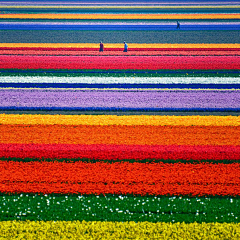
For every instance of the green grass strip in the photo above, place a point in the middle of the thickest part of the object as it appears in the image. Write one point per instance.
(120, 73)
(88, 160)
(119, 208)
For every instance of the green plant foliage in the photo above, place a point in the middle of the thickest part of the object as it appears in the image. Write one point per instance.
(119, 208)
(120, 73)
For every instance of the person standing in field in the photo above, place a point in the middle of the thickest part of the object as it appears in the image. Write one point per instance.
(125, 47)
(101, 47)
(178, 25)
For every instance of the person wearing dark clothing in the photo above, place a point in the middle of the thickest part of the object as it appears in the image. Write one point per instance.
(125, 47)
(101, 47)
(178, 25)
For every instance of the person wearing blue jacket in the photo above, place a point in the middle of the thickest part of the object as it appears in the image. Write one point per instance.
(101, 47)
(178, 25)
(125, 47)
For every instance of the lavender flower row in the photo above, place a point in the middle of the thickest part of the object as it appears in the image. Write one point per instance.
(119, 99)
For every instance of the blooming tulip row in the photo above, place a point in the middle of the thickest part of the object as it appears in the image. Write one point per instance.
(117, 230)
(118, 52)
(138, 46)
(125, 120)
(120, 208)
(120, 178)
(123, 16)
(172, 82)
(120, 135)
(119, 62)
(154, 130)
(109, 26)
(114, 153)
(120, 99)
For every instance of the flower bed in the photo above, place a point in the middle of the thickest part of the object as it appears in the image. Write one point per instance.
(103, 152)
(121, 178)
(119, 52)
(119, 230)
(120, 99)
(122, 16)
(107, 120)
(119, 62)
(112, 46)
(119, 208)
(117, 169)
(120, 135)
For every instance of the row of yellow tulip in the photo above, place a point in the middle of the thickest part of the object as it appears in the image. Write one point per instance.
(119, 45)
(122, 16)
(136, 120)
(117, 230)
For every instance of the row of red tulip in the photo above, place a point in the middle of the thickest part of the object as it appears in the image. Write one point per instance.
(120, 152)
(119, 62)
(118, 52)
(121, 178)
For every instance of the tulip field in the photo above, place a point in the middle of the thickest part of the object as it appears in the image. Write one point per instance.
(143, 144)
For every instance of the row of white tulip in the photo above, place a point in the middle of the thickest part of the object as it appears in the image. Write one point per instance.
(121, 80)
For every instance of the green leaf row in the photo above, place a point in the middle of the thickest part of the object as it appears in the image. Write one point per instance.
(88, 160)
(55, 207)
(120, 73)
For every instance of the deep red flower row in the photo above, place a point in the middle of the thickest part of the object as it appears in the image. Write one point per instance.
(119, 49)
(121, 178)
(119, 52)
(120, 152)
(119, 62)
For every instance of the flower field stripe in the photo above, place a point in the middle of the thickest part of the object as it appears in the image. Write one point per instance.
(118, 208)
(125, 82)
(209, 16)
(121, 73)
(119, 52)
(146, 46)
(120, 135)
(116, 27)
(121, 6)
(112, 153)
(119, 62)
(107, 120)
(117, 230)
(119, 99)
(116, 145)
(122, 86)
(61, 36)
(118, 110)
(121, 178)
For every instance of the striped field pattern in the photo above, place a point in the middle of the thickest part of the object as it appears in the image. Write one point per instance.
(142, 144)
